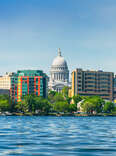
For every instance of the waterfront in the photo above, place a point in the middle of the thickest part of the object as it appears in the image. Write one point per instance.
(49, 136)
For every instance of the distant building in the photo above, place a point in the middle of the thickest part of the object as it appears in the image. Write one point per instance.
(59, 73)
(88, 83)
(115, 89)
(5, 83)
(28, 82)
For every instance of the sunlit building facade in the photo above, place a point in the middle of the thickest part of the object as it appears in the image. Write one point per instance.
(5, 83)
(89, 83)
(26, 82)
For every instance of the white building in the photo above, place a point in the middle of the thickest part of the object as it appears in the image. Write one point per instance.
(59, 73)
(5, 81)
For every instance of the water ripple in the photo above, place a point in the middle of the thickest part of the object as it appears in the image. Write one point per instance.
(54, 136)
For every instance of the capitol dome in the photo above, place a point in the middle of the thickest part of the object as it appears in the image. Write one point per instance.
(59, 73)
(59, 60)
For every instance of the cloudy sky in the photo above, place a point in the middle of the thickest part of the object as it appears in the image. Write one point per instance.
(32, 30)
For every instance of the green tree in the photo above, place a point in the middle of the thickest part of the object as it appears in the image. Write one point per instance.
(4, 105)
(21, 107)
(51, 95)
(93, 104)
(61, 106)
(32, 103)
(29, 100)
(42, 105)
(58, 97)
(46, 107)
(65, 91)
(72, 108)
(87, 107)
(108, 107)
(77, 98)
(68, 99)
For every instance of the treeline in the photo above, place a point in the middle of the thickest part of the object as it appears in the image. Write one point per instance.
(95, 105)
(57, 103)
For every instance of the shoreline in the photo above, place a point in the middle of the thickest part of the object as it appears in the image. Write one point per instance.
(59, 114)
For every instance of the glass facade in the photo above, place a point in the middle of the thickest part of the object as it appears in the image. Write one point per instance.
(26, 82)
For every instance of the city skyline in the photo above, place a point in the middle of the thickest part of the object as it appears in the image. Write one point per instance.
(31, 32)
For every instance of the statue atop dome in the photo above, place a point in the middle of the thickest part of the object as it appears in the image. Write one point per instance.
(59, 52)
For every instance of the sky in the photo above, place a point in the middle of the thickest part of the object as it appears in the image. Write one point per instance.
(31, 31)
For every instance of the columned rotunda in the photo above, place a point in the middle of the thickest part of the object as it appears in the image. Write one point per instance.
(59, 73)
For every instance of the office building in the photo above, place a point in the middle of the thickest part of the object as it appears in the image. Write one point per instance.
(89, 83)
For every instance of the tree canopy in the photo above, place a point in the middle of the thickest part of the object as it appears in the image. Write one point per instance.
(56, 102)
(108, 107)
(93, 104)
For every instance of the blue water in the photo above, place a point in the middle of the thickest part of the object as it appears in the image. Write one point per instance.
(57, 136)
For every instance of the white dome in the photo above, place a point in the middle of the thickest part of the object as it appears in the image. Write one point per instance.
(59, 60)
(59, 73)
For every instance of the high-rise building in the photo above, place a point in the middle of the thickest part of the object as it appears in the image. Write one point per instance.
(28, 82)
(59, 73)
(88, 83)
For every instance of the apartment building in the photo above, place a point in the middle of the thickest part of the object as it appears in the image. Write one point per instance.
(28, 82)
(88, 83)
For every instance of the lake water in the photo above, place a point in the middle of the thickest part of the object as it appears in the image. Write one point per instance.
(57, 136)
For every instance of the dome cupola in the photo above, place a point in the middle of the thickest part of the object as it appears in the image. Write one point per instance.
(59, 60)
